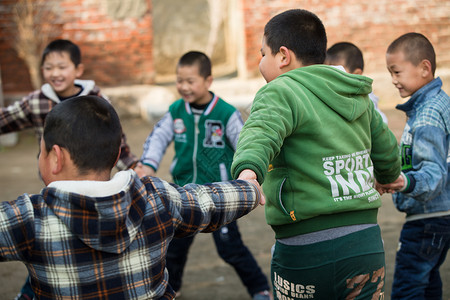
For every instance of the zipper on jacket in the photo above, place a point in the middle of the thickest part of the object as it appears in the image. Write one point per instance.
(194, 154)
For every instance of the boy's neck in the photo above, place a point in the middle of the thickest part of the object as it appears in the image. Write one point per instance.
(203, 104)
(200, 106)
(75, 91)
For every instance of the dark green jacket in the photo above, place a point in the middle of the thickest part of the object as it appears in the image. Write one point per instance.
(204, 148)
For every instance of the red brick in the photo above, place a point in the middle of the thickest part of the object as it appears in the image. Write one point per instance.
(119, 52)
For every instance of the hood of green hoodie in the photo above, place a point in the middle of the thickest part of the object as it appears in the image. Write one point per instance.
(346, 94)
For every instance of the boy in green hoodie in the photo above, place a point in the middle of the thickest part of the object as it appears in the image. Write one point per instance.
(315, 140)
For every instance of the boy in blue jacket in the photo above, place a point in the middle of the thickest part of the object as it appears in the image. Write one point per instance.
(423, 189)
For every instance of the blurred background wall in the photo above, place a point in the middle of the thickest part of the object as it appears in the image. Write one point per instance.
(130, 42)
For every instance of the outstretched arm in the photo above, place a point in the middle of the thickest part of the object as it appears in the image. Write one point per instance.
(204, 208)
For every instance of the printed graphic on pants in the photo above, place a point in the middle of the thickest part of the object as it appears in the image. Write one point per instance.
(286, 290)
(350, 176)
(363, 286)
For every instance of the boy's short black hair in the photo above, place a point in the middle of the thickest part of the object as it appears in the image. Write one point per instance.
(197, 58)
(416, 47)
(348, 53)
(89, 128)
(60, 46)
(300, 31)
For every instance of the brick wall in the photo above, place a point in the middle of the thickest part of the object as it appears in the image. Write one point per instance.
(118, 50)
(115, 51)
(371, 25)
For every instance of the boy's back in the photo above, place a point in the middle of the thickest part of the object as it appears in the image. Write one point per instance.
(88, 236)
(337, 138)
(316, 142)
(61, 66)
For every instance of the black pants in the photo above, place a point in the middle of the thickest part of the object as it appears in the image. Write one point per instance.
(230, 248)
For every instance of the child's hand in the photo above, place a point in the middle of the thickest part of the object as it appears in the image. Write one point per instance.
(250, 176)
(393, 187)
(143, 170)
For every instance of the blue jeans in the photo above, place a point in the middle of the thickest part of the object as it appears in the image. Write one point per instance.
(230, 248)
(423, 248)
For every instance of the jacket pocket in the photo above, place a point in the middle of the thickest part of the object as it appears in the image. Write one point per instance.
(279, 192)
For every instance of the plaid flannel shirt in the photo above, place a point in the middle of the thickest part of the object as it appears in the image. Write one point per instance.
(31, 111)
(112, 247)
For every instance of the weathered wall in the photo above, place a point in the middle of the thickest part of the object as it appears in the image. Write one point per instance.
(127, 42)
(115, 38)
(201, 26)
(371, 25)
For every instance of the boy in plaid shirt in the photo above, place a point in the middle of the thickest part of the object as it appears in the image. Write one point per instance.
(61, 66)
(89, 236)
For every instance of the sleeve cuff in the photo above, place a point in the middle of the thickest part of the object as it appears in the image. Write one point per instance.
(149, 165)
(409, 183)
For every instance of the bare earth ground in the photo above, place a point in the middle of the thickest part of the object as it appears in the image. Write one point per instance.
(206, 275)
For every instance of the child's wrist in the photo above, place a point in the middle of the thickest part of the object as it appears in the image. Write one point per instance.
(406, 182)
(149, 165)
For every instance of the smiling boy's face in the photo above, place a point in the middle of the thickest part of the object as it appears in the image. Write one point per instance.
(60, 72)
(193, 87)
(406, 77)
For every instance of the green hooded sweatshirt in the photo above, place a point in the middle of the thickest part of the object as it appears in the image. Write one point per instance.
(316, 142)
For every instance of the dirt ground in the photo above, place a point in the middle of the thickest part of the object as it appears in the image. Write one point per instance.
(206, 275)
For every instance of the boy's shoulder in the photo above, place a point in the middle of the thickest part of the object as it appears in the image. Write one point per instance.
(36, 94)
(176, 104)
(220, 107)
(39, 95)
(435, 110)
(88, 86)
(225, 103)
(435, 96)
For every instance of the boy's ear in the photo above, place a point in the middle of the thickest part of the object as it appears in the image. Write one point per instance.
(57, 159)
(79, 70)
(426, 68)
(285, 57)
(358, 71)
(209, 80)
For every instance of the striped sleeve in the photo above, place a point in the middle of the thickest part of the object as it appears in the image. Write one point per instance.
(158, 140)
(234, 127)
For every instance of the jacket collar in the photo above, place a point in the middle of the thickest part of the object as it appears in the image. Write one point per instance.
(208, 109)
(87, 85)
(418, 98)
